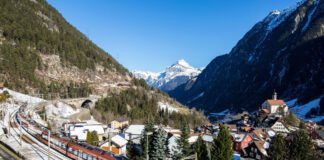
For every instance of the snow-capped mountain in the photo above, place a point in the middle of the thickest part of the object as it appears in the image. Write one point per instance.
(173, 76)
(284, 51)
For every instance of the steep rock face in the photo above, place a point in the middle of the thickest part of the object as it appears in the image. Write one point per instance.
(174, 76)
(283, 52)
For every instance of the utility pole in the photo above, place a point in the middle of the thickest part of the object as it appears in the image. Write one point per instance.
(20, 136)
(9, 123)
(49, 144)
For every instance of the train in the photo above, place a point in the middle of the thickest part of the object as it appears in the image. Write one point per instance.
(65, 146)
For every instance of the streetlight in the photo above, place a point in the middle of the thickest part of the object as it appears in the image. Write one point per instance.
(147, 148)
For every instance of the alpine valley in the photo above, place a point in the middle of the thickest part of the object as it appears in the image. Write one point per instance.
(283, 52)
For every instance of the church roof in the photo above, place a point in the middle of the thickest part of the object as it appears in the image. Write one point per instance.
(278, 102)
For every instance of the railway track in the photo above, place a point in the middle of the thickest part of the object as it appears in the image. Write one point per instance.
(40, 148)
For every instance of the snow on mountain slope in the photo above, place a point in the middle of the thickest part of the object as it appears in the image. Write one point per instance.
(284, 51)
(302, 110)
(173, 76)
(149, 77)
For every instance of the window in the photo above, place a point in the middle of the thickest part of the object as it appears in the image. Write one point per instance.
(70, 150)
(76, 152)
(84, 156)
(89, 157)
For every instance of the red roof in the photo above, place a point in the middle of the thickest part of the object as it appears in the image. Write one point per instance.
(265, 110)
(276, 102)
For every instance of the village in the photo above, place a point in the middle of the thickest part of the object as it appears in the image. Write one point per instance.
(251, 133)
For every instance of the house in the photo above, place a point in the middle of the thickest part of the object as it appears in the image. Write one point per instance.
(232, 127)
(193, 138)
(279, 127)
(134, 133)
(79, 131)
(257, 150)
(170, 130)
(241, 141)
(275, 105)
(118, 145)
(259, 134)
(110, 132)
(208, 138)
(245, 129)
(119, 123)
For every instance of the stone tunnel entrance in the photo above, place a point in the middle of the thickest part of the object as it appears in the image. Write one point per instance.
(87, 104)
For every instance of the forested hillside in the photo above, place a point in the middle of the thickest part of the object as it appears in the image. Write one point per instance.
(30, 30)
(41, 53)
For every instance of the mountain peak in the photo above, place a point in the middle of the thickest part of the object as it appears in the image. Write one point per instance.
(183, 63)
(173, 76)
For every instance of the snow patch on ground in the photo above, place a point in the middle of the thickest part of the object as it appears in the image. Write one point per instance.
(60, 109)
(223, 113)
(310, 15)
(166, 106)
(22, 97)
(198, 96)
(302, 110)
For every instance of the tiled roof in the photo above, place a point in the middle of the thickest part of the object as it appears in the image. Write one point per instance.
(259, 133)
(276, 102)
(260, 146)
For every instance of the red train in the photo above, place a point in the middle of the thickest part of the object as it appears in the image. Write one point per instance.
(73, 149)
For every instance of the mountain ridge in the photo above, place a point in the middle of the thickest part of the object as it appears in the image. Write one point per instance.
(283, 52)
(173, 76)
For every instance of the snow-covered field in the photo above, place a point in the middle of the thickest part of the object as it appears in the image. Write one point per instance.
(302, 110)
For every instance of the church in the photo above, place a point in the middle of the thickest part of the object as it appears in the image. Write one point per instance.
(275, 105)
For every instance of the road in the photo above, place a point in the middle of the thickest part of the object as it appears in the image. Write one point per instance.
(6, 154)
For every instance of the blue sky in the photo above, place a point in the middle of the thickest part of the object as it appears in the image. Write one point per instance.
(152, 34)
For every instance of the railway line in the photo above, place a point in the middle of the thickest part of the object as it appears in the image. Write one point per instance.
(60, 147)
(40, 148)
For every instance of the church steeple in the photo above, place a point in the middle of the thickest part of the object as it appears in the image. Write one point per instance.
(274, 96)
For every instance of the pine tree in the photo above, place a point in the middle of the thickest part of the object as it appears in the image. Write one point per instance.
(200, 149)
(291, 119)
(89, 137)
(222, 146)
(278, 150)
(183, 142)
(301, 147)
(94, 138)
(131, 151)
(167, 149)
(157, 149)
(146, 139)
